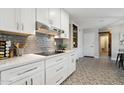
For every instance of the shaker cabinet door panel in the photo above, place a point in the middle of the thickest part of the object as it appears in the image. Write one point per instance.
(24, 81)
(27, 23)
(65, 23)
(54, 17)
(8, 19)
(42, 15)
(37, 79)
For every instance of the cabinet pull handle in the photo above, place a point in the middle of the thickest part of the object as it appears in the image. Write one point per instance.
(59, 79)
(31, 81)
(26, 83)
(22, 27)
(27, 71)
(17, 26)
(59, 69)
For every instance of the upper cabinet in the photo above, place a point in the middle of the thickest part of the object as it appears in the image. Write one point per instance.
(17, 20)
(54, 17)
(8, 19)
(22, 20)
(27, 22)
(64, 24)
(42, 15)
(49, 17)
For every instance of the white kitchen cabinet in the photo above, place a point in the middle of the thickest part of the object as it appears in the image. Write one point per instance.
(24, 81)
(37, 79)
(42, 15)
(31, 74)
(8, 20)
(64, 24)
(56, 70)
(27, 22)
(72, 63)
(54, 17)
(17, 20)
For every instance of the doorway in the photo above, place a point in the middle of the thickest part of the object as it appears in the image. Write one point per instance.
(89, 44)
(105, 44)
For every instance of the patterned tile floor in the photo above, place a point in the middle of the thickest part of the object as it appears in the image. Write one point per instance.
(91, 71)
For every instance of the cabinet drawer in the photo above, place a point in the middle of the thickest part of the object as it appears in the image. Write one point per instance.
(55, 78)
(52, 71)
(54, 61)
(21, 72)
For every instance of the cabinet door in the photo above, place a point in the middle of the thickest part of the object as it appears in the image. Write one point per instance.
(27, 23)
(72, 64)
(65, 24)
(56, 73)
(8, 19)
(54, 17)
(42, 15)
(24, 81)
(37, 79)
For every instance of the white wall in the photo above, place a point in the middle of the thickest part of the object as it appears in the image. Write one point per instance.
(115, 40)
(80, 43)
(116, 30)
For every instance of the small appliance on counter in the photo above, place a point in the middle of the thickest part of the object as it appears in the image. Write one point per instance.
(4, 49)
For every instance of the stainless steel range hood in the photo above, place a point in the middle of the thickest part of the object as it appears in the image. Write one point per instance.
(44, 29)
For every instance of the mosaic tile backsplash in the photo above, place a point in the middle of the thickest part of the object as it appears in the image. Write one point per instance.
(40, 43)
(34, 44)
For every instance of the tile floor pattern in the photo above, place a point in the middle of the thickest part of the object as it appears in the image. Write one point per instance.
(91, 71)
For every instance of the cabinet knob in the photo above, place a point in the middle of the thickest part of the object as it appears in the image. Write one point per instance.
(22, 26)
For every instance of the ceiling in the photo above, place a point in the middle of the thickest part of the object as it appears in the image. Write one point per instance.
(96, 17)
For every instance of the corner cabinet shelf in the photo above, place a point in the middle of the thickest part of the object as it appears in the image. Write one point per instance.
(75, 35)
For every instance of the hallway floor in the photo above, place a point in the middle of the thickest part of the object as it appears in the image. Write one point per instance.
(91, 71)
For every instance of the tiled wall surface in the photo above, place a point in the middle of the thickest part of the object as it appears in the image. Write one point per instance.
(61, 41)
(40, 43)
(34, 43)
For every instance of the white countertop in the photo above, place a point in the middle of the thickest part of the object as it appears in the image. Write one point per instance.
(25, 59)
(18, 61)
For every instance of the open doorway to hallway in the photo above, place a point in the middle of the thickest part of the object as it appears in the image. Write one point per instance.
(105, 44)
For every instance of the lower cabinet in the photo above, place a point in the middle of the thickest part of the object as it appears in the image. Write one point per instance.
(31, 74)
(71, 63)
(61, 67)
(36, 79)
(56, 73)
(52, 71)
(24, 81)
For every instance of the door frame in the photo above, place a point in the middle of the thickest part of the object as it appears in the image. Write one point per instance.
(93, 56)
(110, 42)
